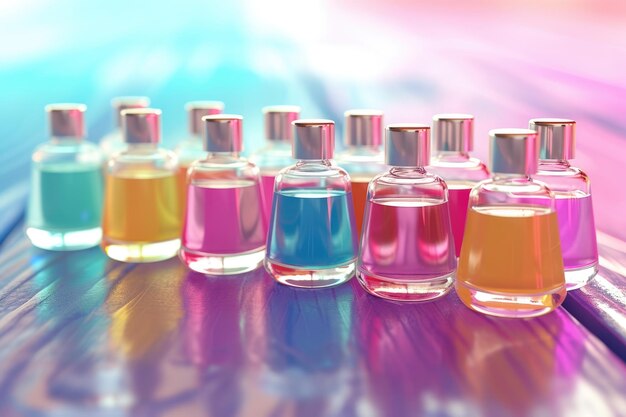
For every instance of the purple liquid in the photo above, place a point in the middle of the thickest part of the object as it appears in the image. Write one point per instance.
(577, 231)
(407, 240)
(224, 220)
(458, 199)
(267, 183)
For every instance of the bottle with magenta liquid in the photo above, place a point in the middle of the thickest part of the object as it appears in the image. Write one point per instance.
(65, 206)
(407, 248)
(224, 230)
(276, 154)
(142, 214)
(511, 263)
(453, 140)
(572, 190)
(312, 240)
(113, 142)
(363, 157)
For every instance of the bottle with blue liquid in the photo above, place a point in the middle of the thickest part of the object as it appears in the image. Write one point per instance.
(65, 207)
(312, 240)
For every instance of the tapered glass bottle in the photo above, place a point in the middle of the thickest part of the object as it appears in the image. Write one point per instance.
(142, 216)
(312, 240)
(572, 190)
(113, 141)
(453, 140)
(224, 231)
(65, 206)
(511, 263)
(407, 248)
(363, 156)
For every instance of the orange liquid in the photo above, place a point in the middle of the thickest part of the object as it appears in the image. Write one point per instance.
(142, 208)
(359, 198)
(182, 186)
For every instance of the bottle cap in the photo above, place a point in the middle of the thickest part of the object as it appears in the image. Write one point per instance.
(513, 151)
(407, 145)
(277, 121)
(223, 133)
(196, 110)
(364, 127)
(313, 139)
(557, 138)
(141, 125)
(453, 132)
(123, 103)
(66, 120)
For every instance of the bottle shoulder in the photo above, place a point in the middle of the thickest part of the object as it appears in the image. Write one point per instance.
(141, 160)
(69, 152)
(459, 170)
(313, 174)
(564, 179)
(273, 157)
(512, 192)
(408, 184)
(220, 167)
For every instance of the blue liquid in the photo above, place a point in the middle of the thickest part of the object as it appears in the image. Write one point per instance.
(312, 229)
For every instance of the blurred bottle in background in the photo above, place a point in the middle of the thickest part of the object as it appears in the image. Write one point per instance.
(114, 141)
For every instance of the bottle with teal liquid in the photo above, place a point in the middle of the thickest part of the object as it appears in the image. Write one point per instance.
(65, 207)
(312, 240)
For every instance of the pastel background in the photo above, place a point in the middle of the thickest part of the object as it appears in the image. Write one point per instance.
(503, 61)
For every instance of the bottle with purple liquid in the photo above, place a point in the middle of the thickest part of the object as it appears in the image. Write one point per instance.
(224, 230)
(572, 191)
(407, 248)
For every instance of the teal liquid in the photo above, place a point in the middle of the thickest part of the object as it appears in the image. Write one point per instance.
(66, 198)
(312, 229)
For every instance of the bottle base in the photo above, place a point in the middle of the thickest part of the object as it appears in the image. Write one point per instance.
(310, 278)
(140, 252)
(213, 264)
(64, 241)
(577, 278)
(396, 290)
(510, 305)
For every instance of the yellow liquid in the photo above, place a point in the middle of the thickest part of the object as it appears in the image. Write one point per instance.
(182, 187)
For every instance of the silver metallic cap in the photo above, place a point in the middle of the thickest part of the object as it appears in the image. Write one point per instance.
(124, 103)
(277, 122)
(66, 120)
(407, 145)
(557, 137)
(223, 133)
(453, 132)
(364, 127)
(196, 110)
(141, 125)
(313, 139)
(513, 151)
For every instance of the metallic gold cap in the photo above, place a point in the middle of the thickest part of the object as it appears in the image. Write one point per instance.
(407, 145)
(196, 110)
(513, 151)
(313, 139)
(223, 133)
(66, 120)
(453, 132)
(557, 137)
(277, 122)
(141, 125)
(364, 127)
(129, 102)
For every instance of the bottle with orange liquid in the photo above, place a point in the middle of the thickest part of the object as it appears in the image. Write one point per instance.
(363, 157)
(511, 263)
(142, 216)
(113, 141)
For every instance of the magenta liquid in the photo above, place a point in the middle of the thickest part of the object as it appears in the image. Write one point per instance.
(577, 231)
(267, 183)
(224, 218)
(407, 239)
(458, 199)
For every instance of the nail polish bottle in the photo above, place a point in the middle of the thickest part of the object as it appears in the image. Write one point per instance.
(453, 140)
(276, 154)
(511, 263)
(65, 206)
(363, 157)
(113, 142)
(407, 248)
(312, 240)
(142, 215)
(224, 231)
(572, 190)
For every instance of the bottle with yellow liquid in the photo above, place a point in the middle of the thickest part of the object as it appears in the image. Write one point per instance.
(142, 215)
(511, 263)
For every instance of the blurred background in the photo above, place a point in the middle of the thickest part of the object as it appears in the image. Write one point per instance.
(503, 61)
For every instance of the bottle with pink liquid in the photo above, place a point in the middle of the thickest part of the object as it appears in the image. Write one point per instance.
(572, 191)
(407, 248)
(224, 230)
(453, 140)
(276, 154)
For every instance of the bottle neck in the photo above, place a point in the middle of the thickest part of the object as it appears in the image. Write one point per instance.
(507, 177)
(452, 156)
(408, 172)
(222, 155)
(302, 162)
(554, 164)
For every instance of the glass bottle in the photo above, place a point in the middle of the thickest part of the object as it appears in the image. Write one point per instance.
(312, 240)
(572, 190)
(65, 206)
(276, 154)
(453, 140)
(113, 142)
(407, 249)
(142, 215)
(224, 230)
(363, 156)
(511, 263)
